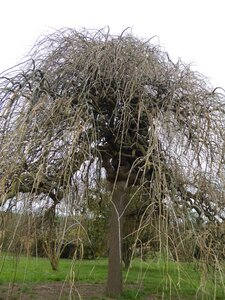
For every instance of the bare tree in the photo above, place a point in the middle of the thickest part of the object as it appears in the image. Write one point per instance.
(88, 100)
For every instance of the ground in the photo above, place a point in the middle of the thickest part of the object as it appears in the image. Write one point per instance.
(55, 291)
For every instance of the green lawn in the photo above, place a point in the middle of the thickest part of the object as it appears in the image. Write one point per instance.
(166, 280)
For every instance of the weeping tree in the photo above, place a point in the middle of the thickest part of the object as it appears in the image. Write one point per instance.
(88, 106)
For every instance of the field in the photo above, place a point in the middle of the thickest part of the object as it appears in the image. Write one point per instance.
(32, 278)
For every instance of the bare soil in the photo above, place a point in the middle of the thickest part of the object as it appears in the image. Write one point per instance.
(55, 291)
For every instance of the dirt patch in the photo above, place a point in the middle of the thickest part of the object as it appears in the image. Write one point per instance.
(51, 291)
(56, 291)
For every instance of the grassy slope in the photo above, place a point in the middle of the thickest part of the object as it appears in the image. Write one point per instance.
(165, 279)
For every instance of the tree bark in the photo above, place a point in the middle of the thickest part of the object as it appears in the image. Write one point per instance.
(115, 280)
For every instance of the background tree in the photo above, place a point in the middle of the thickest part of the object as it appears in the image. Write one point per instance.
(88, 101)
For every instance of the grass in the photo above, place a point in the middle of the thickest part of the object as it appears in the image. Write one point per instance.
(165, 279)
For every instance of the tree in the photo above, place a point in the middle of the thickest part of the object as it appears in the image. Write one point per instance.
(87, 101)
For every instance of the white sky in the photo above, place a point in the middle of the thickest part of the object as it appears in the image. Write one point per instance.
(190, 29)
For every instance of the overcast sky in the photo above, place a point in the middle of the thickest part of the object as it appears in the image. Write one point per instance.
(190, 29)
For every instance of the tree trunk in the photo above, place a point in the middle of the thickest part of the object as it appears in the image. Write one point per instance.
(50, 249)
(115, 280)
(54, 263)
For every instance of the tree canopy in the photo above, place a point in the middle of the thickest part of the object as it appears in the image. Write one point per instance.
(117, 102)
